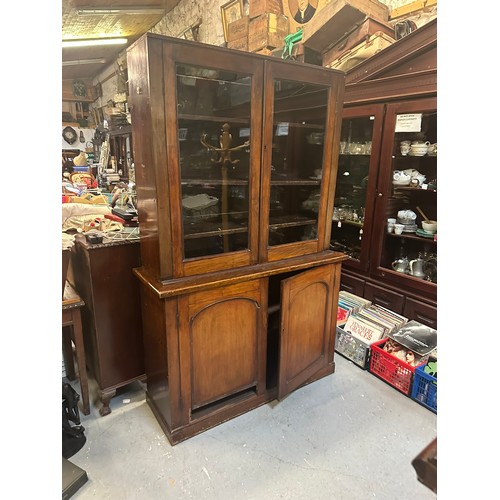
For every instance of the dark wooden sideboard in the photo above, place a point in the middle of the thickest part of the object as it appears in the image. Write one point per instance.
(112, 321)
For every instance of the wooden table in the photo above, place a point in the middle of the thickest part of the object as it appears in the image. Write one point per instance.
(71, 317)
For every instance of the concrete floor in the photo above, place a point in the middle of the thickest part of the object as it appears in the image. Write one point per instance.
(347, 436)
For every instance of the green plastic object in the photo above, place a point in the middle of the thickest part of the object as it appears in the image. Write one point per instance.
(289, 41)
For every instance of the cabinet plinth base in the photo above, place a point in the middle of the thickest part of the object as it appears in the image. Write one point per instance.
(204, 423)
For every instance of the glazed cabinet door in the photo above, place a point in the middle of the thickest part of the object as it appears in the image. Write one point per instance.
(222, 346)
(407, 192)
(355, 190)
(216, 144)
(307, 323)
(299, 159)
(198, 118)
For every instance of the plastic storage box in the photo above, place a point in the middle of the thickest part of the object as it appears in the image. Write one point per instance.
(391, 369)
(352, 348)
(424, 389)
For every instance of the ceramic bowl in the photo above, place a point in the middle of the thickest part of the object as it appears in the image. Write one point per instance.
(430, 227)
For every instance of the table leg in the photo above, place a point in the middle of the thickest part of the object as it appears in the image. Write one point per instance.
(80, 359)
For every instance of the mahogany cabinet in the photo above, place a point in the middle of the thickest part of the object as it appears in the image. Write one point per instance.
(389, 98)
(111, 317)
(236, 160)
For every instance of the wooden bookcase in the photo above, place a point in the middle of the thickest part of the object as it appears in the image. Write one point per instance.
(236, 162)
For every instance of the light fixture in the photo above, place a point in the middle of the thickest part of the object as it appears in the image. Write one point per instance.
(120, 10)
(92, 42)
(83, 61)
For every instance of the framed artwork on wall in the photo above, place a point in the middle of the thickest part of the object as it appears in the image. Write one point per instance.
(231, 11)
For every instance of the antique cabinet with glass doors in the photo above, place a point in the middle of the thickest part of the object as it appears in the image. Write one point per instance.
(236, 163)
(389, 101)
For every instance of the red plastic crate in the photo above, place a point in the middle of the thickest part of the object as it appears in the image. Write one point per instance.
(391, 369)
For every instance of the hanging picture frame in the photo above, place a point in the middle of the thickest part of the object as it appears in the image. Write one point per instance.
(231, 11)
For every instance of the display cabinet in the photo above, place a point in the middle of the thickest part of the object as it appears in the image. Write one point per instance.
(359, 152)
(236, 157)
(410, 258)
(390, 98)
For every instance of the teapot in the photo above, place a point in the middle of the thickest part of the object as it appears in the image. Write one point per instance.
(419, 148)
(400, 265)
(417, 268)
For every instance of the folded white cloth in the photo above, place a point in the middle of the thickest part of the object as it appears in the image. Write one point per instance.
(76, 215)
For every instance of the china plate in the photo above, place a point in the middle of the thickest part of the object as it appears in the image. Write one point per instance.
(424, 234)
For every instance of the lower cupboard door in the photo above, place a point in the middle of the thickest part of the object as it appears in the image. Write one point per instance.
(306, 324)
(226, 344)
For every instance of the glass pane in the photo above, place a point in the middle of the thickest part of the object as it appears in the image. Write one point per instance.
(297, 160)
(352, 183)
(214, 133)
(413, 250)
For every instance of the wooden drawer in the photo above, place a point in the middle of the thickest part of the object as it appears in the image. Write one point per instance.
(352, 284)
(385, 298)
(422, 312)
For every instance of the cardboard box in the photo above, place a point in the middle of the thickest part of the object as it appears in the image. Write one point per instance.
(329, 25)
(238, 29)
(239, 43)
(259, 7)
(364, 50)
(267, 31)
(358, 35)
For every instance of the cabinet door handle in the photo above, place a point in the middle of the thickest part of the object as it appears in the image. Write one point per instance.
(380, 195)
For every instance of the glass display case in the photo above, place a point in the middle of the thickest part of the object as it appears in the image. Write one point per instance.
(356, 183)
(215, 136)
(408, 251)
(242, 168)
(398, 85)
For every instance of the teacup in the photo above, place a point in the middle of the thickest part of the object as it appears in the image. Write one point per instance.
(398, 228)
